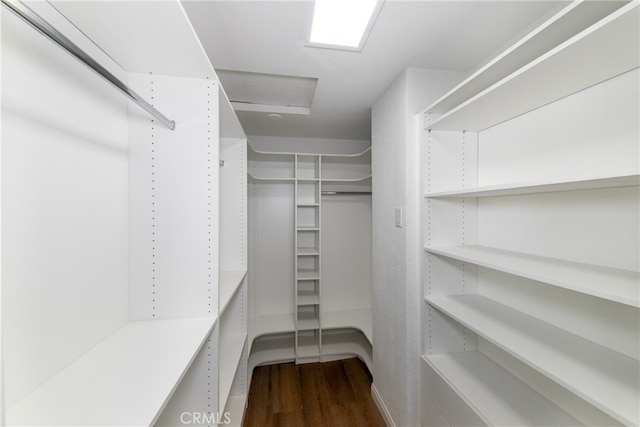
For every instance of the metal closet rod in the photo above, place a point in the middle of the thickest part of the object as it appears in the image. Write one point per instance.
(36, 21)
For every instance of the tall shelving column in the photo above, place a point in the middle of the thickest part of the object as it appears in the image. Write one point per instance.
(524, 324)
(308, 339)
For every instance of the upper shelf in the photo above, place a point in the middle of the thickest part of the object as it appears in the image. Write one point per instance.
(602, 282)
(568, 22)
(562, 71)
(335, 169)
(230, 281)
(603, 377)
(125, 380)
(622, 179)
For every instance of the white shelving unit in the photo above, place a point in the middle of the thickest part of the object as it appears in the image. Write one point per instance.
(127, 378)
(531, 277)
(133, 280)
(298, 332)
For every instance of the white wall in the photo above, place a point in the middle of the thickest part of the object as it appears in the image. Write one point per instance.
(64, 204)
(396, 251)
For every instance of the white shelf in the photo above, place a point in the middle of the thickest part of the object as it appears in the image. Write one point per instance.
(272, 349)
(310, 299)
(357, 319)
(340, 343)
(364, 153)
(263, 179)
(236, 405)
(572, 19)
(230, 354)
(308, 347)
(513, 96)
(623, 179)
(497, 396)
(125, 380)
(273, 324)
(311, 228)
(606, 379)
(308, 275)
(354, 180)
(308, 251)
(230, 282)
(307, 321)
(608, 283)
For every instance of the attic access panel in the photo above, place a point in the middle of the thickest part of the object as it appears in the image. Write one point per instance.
(271, 93)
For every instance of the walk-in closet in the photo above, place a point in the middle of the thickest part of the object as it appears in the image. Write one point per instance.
(214, 213)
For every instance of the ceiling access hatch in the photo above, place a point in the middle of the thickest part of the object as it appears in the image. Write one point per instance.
(268, 93)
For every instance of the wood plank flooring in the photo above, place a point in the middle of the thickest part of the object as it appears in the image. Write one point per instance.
(314, 394)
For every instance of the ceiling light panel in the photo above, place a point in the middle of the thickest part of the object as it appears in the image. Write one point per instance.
(341, 24)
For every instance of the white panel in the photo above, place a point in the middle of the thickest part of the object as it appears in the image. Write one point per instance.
(566, 225)
(450, 160)
(233, 205)
(429, 415)
(275, 241)
(588, 414)
(174, 200)
(615, 327)
(593, 131)
(64, 208)
(197, 392)
(135, 34)
(346, 252)
(454, 409)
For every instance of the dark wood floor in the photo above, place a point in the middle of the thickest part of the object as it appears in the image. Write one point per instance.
(315, 394)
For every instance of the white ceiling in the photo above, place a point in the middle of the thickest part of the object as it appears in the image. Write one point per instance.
(268, 37)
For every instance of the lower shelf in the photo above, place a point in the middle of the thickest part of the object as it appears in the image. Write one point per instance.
(125, 380)
(234, 411)
(230, 354)
(494, 394)
(606, 379)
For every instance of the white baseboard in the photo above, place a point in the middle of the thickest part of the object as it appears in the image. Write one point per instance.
(381, 406)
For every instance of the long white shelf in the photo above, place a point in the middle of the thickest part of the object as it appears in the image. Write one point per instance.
(572, 19)
(606, 379)
(496, 395)
(358, 319)
(125, 380)
(621, 286)
(622, 179)
(230, 353)
(512, 96)
(230, 281)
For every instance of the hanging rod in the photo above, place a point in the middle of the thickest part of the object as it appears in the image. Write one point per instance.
(36, 21)
(336, 193)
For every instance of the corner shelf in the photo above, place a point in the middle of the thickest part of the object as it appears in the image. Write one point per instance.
(603, 282)
(603, 377)
(357, 319)
(476, 378)
(125, 380)
(503, 100)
